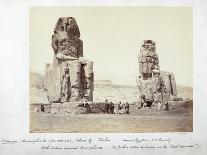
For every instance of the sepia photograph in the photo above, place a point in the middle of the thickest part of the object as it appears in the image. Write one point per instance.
(95, 69)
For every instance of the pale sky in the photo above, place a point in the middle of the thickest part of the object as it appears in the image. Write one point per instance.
(112, 37)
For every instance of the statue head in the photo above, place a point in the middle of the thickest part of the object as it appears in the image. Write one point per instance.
(149, 44)
(69, 25)
(65, 40)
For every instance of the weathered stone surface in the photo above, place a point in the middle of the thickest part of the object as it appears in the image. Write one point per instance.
(148, 58)
(65, 40)
(70, 108)
(154, 85)
(169, 81)
(71, 77)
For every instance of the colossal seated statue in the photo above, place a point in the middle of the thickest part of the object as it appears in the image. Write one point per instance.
(151, 81)
(72, 75)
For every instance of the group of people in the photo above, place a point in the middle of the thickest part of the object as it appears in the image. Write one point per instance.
(107, 107)
(122, 108)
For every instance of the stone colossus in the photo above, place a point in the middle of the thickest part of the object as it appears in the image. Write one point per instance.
(70, 77)
(154, 85)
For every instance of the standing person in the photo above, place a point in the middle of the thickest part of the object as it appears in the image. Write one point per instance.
(127, 108)
(111, 108)
(42, 108)
(143, 100)
(106, 104)
(120, 106)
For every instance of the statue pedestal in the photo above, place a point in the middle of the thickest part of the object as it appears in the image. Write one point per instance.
(69, 108)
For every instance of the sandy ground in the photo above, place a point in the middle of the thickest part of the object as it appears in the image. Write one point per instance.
(178, 119)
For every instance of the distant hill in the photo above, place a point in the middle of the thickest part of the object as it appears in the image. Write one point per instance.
(104, 89)
(36, 80)
(185, 92)
(129, 93)
(37, 93)
(109, 84)
(104, 82)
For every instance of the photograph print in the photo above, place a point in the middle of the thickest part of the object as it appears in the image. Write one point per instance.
(111, 69)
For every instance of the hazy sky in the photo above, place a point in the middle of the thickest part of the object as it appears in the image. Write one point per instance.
(112, 37)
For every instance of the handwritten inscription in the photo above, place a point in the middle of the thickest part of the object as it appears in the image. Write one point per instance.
(91, 143)
(178, 146)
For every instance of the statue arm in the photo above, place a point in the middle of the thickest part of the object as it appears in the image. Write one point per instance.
(61, 56)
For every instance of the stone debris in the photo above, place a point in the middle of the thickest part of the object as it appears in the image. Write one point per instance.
(70, 78)
(154, 86)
